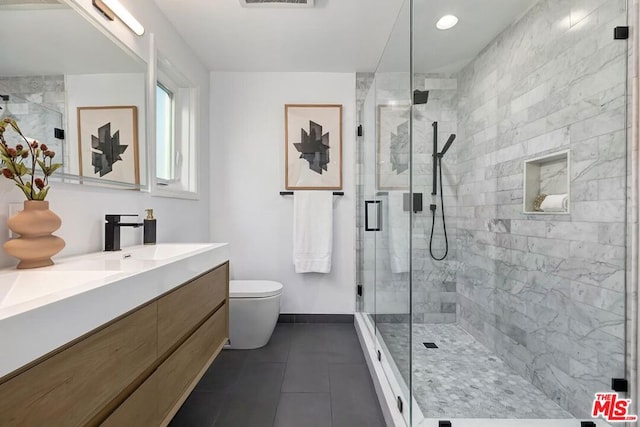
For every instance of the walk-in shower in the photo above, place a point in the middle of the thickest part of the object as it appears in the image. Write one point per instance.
(498, 309)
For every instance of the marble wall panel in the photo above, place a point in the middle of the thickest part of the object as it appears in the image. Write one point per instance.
(38, 104)
(554, 310)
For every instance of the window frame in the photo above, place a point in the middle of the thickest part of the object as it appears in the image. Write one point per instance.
(164, 84)
(186, 101)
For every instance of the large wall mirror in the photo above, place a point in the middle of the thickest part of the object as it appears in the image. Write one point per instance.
(75, 89)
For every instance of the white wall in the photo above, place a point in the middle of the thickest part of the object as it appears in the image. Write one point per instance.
(247, 160)
(82, 208)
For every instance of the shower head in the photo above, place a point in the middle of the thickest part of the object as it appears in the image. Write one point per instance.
(447, 145)
(420, 97)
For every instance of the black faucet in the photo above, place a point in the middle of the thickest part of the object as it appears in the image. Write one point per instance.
(112, 230)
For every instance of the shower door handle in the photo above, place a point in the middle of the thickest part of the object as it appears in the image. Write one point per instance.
(369, 206)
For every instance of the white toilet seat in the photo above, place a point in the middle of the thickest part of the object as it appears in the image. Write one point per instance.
(254, 288)
(254, 307)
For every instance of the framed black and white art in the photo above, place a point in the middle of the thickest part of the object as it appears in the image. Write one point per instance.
(313, 146)
(108, 143)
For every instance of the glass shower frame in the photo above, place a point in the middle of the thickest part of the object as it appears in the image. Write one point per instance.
(374, 268)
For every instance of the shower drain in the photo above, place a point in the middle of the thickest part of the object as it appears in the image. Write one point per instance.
(430, 344)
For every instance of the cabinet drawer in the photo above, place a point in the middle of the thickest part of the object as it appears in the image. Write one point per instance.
(183, 309)
(72, 387)
(177, 374)
(140, 409)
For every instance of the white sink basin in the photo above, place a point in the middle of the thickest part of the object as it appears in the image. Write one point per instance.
(159, 252)
(17, 287)
(22, 286)
(105, 265)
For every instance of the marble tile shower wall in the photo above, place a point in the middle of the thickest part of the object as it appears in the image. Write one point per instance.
(37, 103)
(434, 282)
(546, 292)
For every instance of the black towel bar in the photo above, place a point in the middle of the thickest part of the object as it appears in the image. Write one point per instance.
(290, 193)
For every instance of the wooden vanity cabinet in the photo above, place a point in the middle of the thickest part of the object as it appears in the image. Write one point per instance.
(72, 387)
(201, 297)
(180, 373)
(135, 371)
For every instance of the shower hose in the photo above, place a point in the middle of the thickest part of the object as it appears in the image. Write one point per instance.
(433, 222)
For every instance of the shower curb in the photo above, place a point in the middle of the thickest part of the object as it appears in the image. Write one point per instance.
(385, 394)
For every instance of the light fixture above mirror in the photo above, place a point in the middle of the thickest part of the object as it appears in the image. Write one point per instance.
(113, 8)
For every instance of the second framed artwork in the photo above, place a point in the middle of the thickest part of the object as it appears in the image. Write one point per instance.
(313, 146)
(108, 143)
(393, 147)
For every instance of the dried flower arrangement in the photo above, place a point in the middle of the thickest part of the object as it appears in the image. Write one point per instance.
(14, 167)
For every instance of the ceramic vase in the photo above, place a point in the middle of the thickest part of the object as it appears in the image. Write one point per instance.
(36, 245)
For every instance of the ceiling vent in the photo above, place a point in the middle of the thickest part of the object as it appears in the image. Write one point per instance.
(276, 3)
(27, 2)
(31, 4)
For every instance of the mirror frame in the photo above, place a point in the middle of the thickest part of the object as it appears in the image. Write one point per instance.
(145, 49)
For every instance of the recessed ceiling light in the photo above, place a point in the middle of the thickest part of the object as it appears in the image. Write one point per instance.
(276, 3)
(446, 22)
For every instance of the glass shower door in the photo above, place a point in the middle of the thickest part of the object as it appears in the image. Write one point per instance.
(384, 261)
(392, 186)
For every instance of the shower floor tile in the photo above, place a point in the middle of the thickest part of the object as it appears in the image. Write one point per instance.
(462, 378)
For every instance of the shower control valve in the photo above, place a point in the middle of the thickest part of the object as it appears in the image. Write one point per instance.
(433, 207)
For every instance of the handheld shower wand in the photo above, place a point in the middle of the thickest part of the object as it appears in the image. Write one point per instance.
(437, 164)
(447, 145)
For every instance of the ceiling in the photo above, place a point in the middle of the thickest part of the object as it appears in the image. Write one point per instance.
(333, 36)
(337, 35)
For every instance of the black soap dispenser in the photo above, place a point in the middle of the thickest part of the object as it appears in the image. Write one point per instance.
(149, 228)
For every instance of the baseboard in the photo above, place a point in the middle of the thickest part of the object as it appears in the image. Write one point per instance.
(316, 318)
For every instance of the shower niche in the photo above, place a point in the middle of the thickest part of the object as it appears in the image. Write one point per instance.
(547, 184)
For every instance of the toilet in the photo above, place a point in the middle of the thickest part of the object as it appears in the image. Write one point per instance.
(254, 307)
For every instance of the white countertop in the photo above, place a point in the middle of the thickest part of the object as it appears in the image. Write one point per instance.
(43, 309)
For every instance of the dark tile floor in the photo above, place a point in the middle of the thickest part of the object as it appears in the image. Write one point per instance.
(309, 375)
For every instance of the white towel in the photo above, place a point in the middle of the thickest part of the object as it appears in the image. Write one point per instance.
(398, 233)
(312, 231)
(555, 203)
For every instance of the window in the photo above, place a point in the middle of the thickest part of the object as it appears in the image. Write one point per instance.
(166, 168)
(175, 148)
